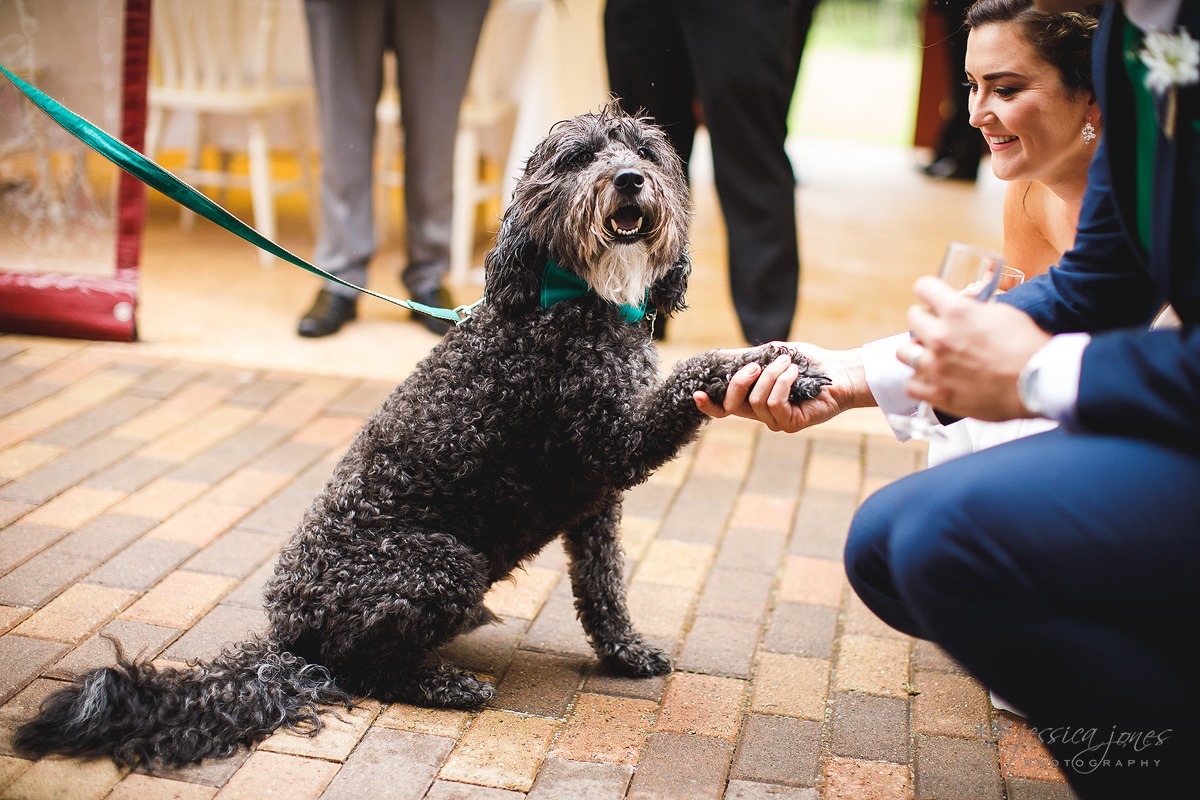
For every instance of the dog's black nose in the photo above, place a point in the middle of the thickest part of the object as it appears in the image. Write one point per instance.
(629, 181)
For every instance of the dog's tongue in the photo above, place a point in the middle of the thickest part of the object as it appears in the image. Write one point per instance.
(627, 217)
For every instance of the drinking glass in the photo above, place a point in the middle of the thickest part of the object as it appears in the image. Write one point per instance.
(975, 272)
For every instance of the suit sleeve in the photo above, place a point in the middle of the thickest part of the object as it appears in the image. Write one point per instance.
(1133, 381)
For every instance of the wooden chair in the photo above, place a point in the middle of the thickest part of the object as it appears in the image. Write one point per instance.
(216, 59)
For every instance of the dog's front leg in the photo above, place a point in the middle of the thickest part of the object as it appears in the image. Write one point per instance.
(599, 587)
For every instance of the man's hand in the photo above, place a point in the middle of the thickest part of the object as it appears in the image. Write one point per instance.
(966, 355)
(762, 393)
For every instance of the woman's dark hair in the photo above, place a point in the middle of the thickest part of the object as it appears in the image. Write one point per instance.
(1064, 40)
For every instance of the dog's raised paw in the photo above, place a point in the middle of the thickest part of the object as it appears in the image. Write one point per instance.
(807, 387)
(638, 660)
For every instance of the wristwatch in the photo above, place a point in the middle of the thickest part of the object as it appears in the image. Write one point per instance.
(1027, 388)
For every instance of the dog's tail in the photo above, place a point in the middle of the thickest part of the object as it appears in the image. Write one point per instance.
(137, 713)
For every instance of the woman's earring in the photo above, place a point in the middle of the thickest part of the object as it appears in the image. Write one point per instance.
(1089, 132)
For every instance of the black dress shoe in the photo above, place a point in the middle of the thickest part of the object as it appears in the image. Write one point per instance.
(438, 297)
(328, 314)
(949, 168)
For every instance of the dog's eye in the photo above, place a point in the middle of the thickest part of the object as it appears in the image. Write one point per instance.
(647, 154)
(577, 159)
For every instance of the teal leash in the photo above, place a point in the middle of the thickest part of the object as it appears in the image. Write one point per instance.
(158, 178)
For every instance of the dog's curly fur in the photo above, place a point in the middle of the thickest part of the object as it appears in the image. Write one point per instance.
(522, 424)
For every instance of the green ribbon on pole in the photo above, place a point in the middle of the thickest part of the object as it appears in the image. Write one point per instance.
(158, 178)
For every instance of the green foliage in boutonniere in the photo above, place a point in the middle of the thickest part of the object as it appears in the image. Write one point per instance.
(1172, 62)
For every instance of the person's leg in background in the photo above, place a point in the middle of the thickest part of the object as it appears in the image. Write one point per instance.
(742, 60)
(649, 72)
(958, 151)
(347, 42)
(1069, 589)
(435, 42)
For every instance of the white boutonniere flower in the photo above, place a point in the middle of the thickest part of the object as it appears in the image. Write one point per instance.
(1172, 61)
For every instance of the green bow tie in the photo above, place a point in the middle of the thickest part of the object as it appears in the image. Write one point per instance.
(559, 284)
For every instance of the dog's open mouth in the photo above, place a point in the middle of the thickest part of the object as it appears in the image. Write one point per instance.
(627, 222)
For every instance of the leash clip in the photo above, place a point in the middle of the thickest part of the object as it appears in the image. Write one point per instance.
(464, 312)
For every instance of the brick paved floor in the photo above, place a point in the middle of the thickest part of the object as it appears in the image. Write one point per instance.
(144, 499)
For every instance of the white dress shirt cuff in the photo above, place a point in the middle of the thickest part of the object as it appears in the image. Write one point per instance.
(1056, 389)
(886, 376)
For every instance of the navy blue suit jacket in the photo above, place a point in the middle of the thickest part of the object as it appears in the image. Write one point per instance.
(1134, 381)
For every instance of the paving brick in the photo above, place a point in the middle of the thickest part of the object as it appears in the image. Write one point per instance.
(235, 553)
(214, 772)
(659, 611)
(928, 657)
(703, 705)
(267, 776)
(778, 750)
(166, 381)
(296, 408)
(501, 750)
(11, 769)
(816, 581)
(160, 498)
(331, 431)
(556, 630)
(523, 593)
(141, 565)
(559, 779)
(650, 499)
(750, 550)
(793, 686)
(179, 409)
(552, 557)
(249, 593)
(198, 524)
(451, 790)
(95, 421)
(636, 535)
(700, 510)
(129, 474)
(720, 647)
(602, 681)
(221, 626)
(198, 434)
(539, 683)
(42, 577)
(763, 512)
(857, 618)
(70, 468)
(53, 778)
(852, 779)
(147, 787)
(137, 640)
(75, 613)
(104, 536)
(23, 660)
(727, 459)
(885, 457)
(947, 767)
(390, 765)
(1023, 789)
(822, 522)
(777, 466)
(73, 507)
(1022, 754)
(11, 510)
(440, 722)
(801, 630)
(753, 790)
(341, 731)
(227, 456)
(869, 728)
(248, 487)
(262, 391)
(605, 729)
(950, 705)
(11, 615)
(179, 600)
(21, 459)
(488, 649)
(832, 471)
(736, 594)
(678, 767)
(21, 540)
(672, 563)
(872, 665)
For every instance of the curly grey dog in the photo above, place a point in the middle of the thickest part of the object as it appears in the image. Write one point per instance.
(525, 422)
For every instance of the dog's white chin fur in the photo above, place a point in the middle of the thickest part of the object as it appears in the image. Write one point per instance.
(622, 274)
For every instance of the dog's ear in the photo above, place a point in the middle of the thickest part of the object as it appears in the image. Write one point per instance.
(512, 276)
(667, 294)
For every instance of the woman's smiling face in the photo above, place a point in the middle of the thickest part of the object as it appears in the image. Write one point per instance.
(1032, 123)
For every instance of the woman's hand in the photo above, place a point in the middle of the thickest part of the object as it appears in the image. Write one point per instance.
(762, 393)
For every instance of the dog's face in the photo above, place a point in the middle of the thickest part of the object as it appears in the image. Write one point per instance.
(605, 196)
